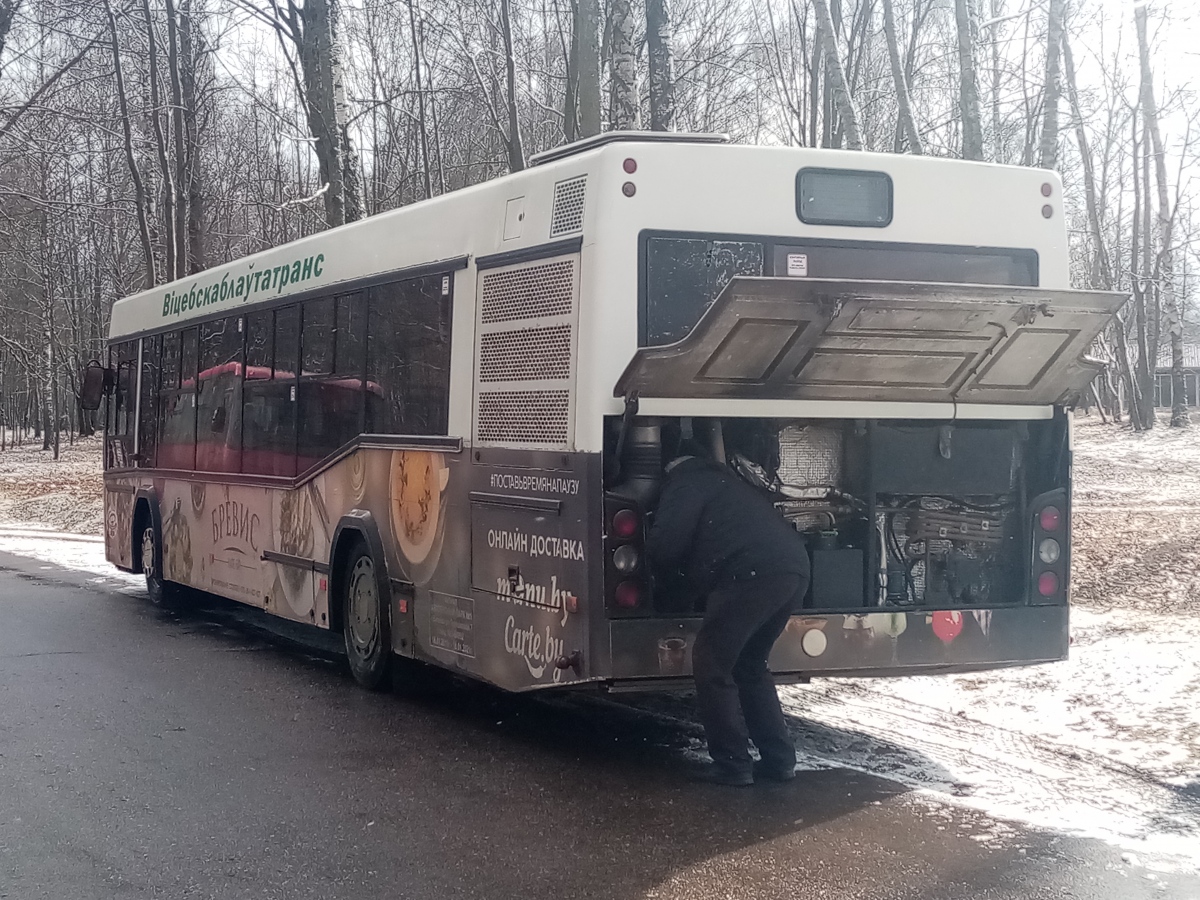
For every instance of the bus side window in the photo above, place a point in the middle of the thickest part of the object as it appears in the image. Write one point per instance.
(218, 445)
(177, 449)
(121, 424)
(268, 395)
(330, 391)
(408, 357)
(148, 426)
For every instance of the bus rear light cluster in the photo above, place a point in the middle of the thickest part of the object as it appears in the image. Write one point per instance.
(624, 549)
(1049, 557)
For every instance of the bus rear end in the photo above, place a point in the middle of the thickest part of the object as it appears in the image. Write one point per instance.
(898, 387)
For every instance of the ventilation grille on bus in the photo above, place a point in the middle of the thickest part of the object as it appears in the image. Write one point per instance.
(531, 292)
(524, 417)
(524, 377)
(525, 354)
(566, 217)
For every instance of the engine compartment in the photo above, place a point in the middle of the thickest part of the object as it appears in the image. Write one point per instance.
(896, 514)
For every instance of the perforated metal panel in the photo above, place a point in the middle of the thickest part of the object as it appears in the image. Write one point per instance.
(524, 417)
(527, 353)
(566, 216)
(527, 292)
(524, 352)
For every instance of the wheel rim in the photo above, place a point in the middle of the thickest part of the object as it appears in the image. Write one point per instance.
(363, 621)
(148, 555)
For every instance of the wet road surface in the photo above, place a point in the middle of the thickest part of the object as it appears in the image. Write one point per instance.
(145, 754)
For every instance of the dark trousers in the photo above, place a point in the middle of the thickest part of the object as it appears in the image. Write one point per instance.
(735, 692)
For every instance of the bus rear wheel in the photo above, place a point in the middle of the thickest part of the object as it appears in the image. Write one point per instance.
(162, 593)
(366, 624)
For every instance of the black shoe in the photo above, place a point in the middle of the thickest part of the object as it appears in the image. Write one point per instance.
(718, 774)
(769, 772)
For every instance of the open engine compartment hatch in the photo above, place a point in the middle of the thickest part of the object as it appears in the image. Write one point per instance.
(801, 339)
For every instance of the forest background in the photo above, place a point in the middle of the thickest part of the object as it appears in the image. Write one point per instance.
(145, 140)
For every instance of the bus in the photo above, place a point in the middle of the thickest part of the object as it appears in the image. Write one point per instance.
(441, 431)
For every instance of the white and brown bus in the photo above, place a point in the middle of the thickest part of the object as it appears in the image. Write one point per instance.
(440, 431)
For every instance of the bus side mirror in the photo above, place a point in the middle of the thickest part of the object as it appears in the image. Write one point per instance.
(96, 382)
(219, 419)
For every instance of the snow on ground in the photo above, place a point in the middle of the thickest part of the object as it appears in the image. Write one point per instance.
(66, 494)
(1106, 745)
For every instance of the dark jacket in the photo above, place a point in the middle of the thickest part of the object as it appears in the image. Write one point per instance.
(716, 528)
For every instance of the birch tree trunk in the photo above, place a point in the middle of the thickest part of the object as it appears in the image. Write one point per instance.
(179, 182)
(587, 29)
(139, 189)
(908, 124)
(1048, 151)
(836, 76)
(968, 92)
(997, 74)
(160, 144)
(587, 23)
(625, 107)
(310, 28)
(661, 59)
(189, 57)
(8, 12)
(348, 159)
(1141, 402)
(516, 152)
(571, 93)
(426, 168)
(1169, 299)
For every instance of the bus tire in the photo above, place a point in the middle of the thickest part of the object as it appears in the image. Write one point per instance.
(366, 619)
(163, 593)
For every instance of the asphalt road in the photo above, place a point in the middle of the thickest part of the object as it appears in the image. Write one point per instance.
(144, 754)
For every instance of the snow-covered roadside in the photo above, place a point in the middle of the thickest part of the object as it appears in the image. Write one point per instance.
(65, 494)
(80, 552)
(1106, 745)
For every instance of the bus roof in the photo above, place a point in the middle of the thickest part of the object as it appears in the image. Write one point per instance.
(441, 234)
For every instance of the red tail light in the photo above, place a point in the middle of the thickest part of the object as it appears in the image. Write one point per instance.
(628, 595)
(625, 524)
(1048, 584)
(1050, 518)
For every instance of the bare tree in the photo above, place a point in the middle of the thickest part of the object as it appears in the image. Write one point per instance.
(189, 64)
(139, 189)
(968, 84)
(1048, 154)
(160, 145)
(908, 125)
(836, 74)
(310, 29)
(8, 12)
(587, 41)
(625, 107)
(661, 59)
(1166, 222)
(179, 182)
(516, 153)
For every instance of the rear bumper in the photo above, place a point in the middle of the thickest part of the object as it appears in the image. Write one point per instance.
(875, 644)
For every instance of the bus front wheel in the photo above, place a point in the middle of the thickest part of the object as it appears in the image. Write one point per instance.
(366, 624)
(162, 592)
